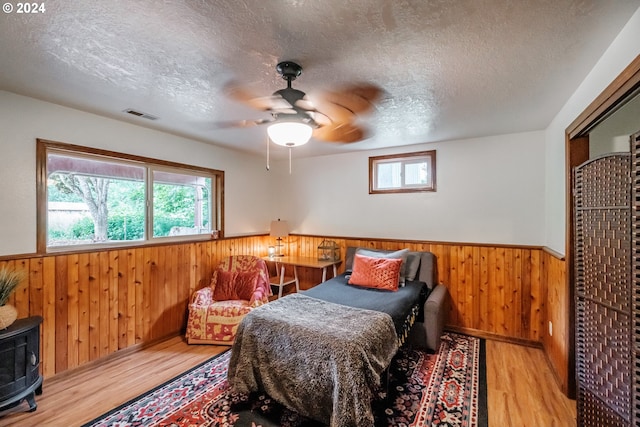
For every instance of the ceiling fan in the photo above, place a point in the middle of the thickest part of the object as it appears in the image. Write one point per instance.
(295, 116)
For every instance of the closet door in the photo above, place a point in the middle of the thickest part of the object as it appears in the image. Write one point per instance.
(635, 241)
(602, 207)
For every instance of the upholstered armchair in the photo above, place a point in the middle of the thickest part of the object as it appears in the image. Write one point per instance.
(239, 284)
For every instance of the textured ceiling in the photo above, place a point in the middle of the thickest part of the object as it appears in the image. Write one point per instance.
(450, 69)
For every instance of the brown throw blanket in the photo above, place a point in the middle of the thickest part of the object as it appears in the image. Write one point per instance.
(318, 358)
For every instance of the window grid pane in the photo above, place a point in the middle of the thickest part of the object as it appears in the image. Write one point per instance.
(180, 204)
(410, 172)
(92, 198)
(416, 173)
(389, 175)
(92, 201)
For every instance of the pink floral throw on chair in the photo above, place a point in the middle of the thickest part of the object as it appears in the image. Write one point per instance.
(239, 284)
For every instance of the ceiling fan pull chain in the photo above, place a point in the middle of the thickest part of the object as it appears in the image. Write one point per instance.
(268, 167)
(289, 160)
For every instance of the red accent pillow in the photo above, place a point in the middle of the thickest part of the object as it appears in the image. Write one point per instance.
(246, 282)
(378, 273)
(232, 285)
(224, 289)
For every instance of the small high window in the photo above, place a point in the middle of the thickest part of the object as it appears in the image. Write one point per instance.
(90, 198)
(403, 173)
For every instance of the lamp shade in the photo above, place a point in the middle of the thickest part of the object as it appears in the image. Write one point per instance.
(289, 134)
(279, 229)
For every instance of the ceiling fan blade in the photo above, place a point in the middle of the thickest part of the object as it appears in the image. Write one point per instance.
(305, 104)
(273, 103)
(343, 106)
(335, 113)
(230, 124)
(358, 98)
(370, 92)
(240, 94)
(341, 132)
(261, 103)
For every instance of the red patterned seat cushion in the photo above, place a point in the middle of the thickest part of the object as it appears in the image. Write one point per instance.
(216, 323)
(379, 273)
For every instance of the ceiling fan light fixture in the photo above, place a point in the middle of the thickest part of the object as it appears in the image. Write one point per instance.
(290, 134)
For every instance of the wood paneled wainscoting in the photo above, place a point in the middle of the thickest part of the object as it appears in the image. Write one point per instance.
(95, 304)
(557, 345)
(497, 291)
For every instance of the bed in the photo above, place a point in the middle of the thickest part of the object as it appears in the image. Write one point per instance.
(322, 352)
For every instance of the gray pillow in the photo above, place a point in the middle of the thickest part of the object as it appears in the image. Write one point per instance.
(413, 263)
(348, 260)
(401, 254)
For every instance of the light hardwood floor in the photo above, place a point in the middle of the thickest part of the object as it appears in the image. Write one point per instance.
(521, 388)
(522, 391)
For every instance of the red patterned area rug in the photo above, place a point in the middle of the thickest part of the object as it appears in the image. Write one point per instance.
(443, 389)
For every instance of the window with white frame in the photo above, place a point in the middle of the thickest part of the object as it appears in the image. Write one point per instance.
(94, 198)
(403, 173)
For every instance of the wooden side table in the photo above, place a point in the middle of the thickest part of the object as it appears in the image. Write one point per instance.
(20, 363)
(282, 281)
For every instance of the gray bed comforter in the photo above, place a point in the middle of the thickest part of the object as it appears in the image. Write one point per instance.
(318, 358)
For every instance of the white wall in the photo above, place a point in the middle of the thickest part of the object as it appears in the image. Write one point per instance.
(621, 53)
(502, 189)
(24, 119)
(489, 190)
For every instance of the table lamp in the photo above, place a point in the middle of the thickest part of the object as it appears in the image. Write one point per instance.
(279, 229)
